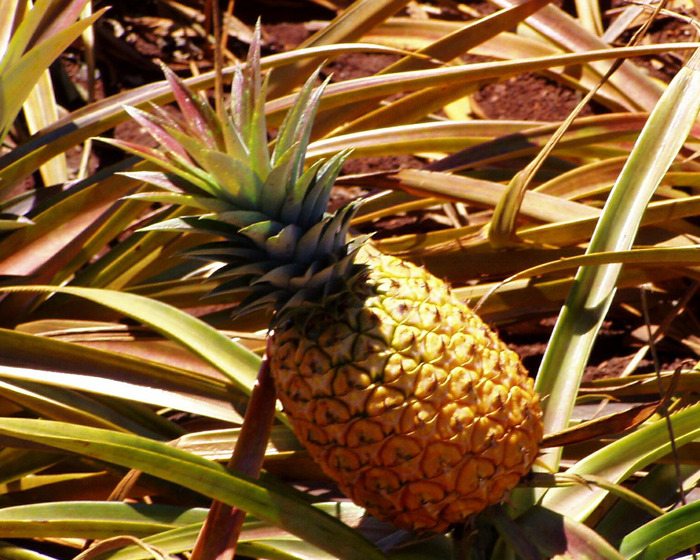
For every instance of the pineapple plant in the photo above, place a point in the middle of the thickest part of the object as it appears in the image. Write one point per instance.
(402, 394)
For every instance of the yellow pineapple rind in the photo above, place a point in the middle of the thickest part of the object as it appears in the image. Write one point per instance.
(406, 399)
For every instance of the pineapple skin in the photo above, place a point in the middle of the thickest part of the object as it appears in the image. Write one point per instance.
(402, 394)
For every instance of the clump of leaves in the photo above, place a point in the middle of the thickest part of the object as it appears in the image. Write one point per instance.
(89, 398)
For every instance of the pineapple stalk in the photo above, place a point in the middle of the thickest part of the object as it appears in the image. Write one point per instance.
(399, 391)
(219, 535)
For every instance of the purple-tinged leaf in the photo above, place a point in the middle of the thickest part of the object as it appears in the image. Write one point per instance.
(252, 69)
(146, 152)
(239, 99)
(162, 161)
(165, 181)
(199, 116)
(158, 133)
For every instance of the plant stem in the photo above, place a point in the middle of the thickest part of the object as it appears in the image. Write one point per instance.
(219, 535)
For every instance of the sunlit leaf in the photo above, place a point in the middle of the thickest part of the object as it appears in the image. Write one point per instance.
(41, 110)
(578, 324)
(18, 80)
(92, 520)
(660, 485)
(13, 551)
(237, 363)
(622, 457)
(667, 535)
(283, 509)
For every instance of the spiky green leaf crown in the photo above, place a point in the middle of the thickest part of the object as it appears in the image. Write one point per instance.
(278, 242)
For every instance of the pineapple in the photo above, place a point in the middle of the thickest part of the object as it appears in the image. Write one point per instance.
(417, 410)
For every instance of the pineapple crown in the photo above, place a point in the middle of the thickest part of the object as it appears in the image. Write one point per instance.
(278, 243)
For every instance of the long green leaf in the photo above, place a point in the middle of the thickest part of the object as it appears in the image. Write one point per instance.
(182, 539)
(173, 541)
(13, 551)
(659, 539)
(282, 509)
(281, 549)
(41, 110)
(583, 313)
(255, 536)
(660, 485)
(457, 188)
(112, 387)
(92, 520)
(17, 81)
(616, 461)
(645, 256)
(79, 367)
(237, 363)
(18, 463)
(406, 32)
(377, 87)
(63, 404)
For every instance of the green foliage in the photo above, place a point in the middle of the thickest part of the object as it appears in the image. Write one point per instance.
(124, 380)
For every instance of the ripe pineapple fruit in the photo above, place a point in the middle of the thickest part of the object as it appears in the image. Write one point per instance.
(407, 400)
(398, 390)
